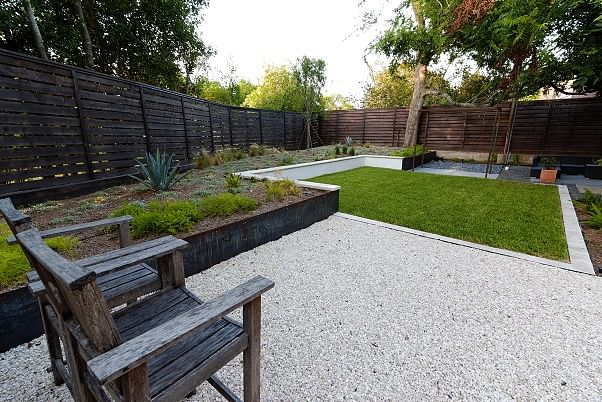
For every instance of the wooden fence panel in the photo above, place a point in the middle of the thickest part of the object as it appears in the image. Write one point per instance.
(63, 125)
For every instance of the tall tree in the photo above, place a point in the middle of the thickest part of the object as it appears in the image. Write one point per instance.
(278, 90)
(311, 76)
(86, 34)
(336, 102)
(35, 30)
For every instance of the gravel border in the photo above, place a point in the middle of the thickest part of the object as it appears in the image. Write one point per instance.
(362, 312)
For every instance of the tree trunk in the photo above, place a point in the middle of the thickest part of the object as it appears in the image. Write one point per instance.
(37, 36)
(413, 123)
(87, 39)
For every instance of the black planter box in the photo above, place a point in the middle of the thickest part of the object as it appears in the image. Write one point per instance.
(407, 163)
(20, 319)
(593, 172)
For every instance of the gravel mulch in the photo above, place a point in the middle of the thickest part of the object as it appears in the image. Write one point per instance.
(516, 173)
(362, 312)
(463, 166)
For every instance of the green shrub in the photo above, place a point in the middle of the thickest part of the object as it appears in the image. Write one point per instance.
(229, 155)
(352, 151)
(595, 219)
(257, 150)
(337, 150)
(204, 159)
(232, 181)
(407, 152)
(160, 217)
(13, 263)
(345, 149)
(592, 200)
(159, 173)
(287, 159)
(279, 189)
(226, 204)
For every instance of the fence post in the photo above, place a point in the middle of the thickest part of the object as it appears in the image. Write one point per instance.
(336, 135)
(364, 129)
(230, 125)
(211, 129)
(544, 140)
(284, 129)
(185, 129)
(394, 122)
(260, 129)
(464, 130)
(146, 133)
(83, 125)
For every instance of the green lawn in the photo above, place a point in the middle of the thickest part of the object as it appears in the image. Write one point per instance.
(515, 216)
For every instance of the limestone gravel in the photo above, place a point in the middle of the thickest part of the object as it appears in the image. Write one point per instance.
(361, 312)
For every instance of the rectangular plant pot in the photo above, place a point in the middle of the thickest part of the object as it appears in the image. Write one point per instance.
(593, 172)
(20, 319)
(408, 162)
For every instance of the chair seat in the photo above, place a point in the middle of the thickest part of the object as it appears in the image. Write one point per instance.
(194, 359)
(117, 287)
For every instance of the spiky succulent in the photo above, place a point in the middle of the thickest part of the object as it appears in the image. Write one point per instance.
(159, 173)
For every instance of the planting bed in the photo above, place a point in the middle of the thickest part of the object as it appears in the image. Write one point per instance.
(592, 236)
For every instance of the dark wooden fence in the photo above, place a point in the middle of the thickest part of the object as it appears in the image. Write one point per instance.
(559, 127)
(64, 128)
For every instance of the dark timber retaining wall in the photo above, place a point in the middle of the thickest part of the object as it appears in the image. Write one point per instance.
(19, 314)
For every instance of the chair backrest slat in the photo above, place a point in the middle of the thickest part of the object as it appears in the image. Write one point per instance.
(72, 290)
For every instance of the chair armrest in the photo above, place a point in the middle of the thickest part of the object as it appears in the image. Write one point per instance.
(127, 356)
(78, 228)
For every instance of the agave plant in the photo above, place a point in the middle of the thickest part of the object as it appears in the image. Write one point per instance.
(348, 141)
(159, 173)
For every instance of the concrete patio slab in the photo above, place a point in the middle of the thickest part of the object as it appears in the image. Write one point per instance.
(363, 312)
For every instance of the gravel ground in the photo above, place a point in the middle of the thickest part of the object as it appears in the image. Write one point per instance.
(362, 312)
(467, 167)
(516, 173)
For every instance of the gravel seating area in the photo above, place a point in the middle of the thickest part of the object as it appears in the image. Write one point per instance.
(363, 312)
(466, 167)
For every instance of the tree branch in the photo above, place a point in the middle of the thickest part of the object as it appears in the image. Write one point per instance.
(436, 92)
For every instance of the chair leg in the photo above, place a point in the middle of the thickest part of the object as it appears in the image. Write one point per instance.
(77, 367)
(251, 355)
(53, 342)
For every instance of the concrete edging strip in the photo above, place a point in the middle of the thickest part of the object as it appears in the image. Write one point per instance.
(578, 253)
(494, 250)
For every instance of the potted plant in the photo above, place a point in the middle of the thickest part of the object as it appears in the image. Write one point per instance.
(548, 170)
(594, 170)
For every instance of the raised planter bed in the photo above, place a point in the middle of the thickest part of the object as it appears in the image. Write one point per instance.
(593, 172)
(412, 162)
(20, 319)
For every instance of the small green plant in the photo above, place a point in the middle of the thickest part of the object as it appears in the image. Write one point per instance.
(286, 159)
(337, 150)
(232, 181)
(549, 163)
(203, 159)
(13, 263)
(226, 204)
(345, 149)
(257, 150)
(598, 162)
(348, 141)
(64, 220)
(595, 219)
(159, 173)
(408, 152)
(352, 151)
(590, 199)
(366, 145)
(45, 206)
(159, 217)
(279, 189)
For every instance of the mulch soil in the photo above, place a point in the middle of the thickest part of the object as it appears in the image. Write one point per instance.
(592, 236)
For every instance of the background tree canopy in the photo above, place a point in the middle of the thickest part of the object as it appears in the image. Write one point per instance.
(152, 41)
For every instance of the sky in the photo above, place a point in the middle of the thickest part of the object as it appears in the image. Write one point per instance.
(253, 34)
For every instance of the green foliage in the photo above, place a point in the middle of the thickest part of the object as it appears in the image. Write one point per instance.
(595, 219)
(159, 173)
(522, 217)
(599, 162)
(286, 159)
(549, 163)
(336, 102)
(13, 263)
(279, 90)
(591, 200)
(310, 75)
(352, 151)
(344, 149)
(407, 152)
(160, 217)
(232, 181)
(153, 42)
(226, 204)
(203, 159)
(279, 189)
(257, 150)
(337, 150)
(230, 93)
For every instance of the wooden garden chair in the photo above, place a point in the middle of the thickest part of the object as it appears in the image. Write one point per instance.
(118, 283)
(162, 347)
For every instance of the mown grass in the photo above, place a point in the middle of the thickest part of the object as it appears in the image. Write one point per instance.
(514, 216)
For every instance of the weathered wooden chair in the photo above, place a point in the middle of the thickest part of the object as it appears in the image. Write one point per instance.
(161, 347)
(118, 284)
